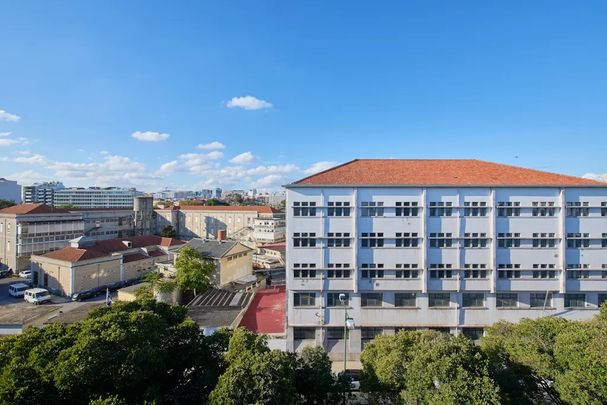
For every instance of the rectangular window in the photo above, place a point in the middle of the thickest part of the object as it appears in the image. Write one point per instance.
(441, 240)
(304, 209)
(475, 271)
(544, 271)
(333, 299)
(604, 240)
(475, 240)
(304, 270)
(604, 209)
(541, 300)
(407, 270)
(577, 209)
(544, 240)
(441, 209)
(338, 209)
(406, 239)
(371, 299)
(304, 333)
(473, 333)
(338, 239)
(368, 334)
(508, 209)
(578, 240)
(506, 300)
(304, 239)
(575, 300)
(473, 300)
(475, 209)
(407, 209)
(578, 271)
(372, 239)
(372, 209)
(372, 270)
(335, 333)
(508, 240)
(439, 300)
(304, 299)
(441, 271)
(509, 271)
(404, 300)
(543, 209)
(338, 270)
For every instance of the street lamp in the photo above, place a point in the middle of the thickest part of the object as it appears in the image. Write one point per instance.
(348, 325)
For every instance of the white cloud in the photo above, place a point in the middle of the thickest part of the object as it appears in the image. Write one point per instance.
(150, 136)
(7, 140)
(215, 155)
(210, 146)
(6, 116)
(243, 158)
(319, 167)
(269, 181)
(248, 103)
(595, 176)
(272, 169)
(168, 167)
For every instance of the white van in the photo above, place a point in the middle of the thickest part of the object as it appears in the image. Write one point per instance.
(17, 289)
(37, 296)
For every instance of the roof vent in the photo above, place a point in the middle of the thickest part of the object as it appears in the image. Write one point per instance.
(128, 243)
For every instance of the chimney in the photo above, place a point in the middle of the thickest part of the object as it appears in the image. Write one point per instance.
(221, 234)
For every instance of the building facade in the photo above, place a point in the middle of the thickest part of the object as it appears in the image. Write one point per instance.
(41, 192)
(96, 197)
(10, 190)
(233, 260)
(450, 245)
(269, 230)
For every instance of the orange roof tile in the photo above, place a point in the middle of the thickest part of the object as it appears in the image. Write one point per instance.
(38, 208)
(469, 172)
(70, 254)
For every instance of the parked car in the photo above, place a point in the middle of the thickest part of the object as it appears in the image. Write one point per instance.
(354, 377)
(86, 294)
(17, 289)
(25, 273)
(37, 296)
(5, 273)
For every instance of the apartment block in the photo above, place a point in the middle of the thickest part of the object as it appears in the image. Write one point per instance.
(10, 190)
(453, 245)
(41, 192)
(96, 197)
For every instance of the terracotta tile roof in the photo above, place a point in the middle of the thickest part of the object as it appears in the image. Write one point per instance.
(249, 208)
(38, 208)
(438, 173)
(156, 253)
(280, 246)
(134, 257)
(73, 255)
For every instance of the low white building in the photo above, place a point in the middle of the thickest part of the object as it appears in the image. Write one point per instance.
(454, 245)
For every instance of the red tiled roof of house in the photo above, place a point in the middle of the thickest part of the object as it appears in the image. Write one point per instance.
(134, 257)
(250, 208)
(37, 208)
(280, 246)
(156, 253)
(468, 172)
(71, 254)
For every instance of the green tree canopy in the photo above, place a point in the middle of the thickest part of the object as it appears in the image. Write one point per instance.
(6, 203)
(168, 232)
(193, 272)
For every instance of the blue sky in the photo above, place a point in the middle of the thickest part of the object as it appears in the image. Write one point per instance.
(275, 90)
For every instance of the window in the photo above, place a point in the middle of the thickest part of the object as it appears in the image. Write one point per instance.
(306, 299)
(604, 240)
(372, 270)
(441, 209)
(335, 333)
(604, 209)
(338, 270)
(475, 271)
(338, 209)
(508, 240)
(372, 209)
(473, 300)
(575, 300)
(407, 270)
(372, 239)
(406, 239)
(304, 333)
(541, 300)
(473, 333)
(304, 209)
(404, 300)
(544, 271)
(509, 271)
(506, 300)
(304, 239)
(368, 334)
(544, 240)
(441, 240)
(475, 240)
(475, 209)
(577, 209)
(508, 209)
(333, 299)
(578, 240)
(578, 271)
(304, 270)
(602, 299)
(436, 300)
(338, 239)
(543, 209)
(407, 209)
(371, 299)
(441, 271)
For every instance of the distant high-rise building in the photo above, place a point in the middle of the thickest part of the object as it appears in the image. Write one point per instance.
(218, 192)
(10, 190)
(41, 192)
(206, 193)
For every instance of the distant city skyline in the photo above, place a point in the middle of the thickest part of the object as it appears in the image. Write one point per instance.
(191, 96)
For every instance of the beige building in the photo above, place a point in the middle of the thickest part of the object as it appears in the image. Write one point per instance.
(87, 264)
(232, 259)
(29, 229)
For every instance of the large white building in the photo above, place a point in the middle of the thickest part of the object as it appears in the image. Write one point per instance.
(41, 192)
(454, 245)
(96, 197)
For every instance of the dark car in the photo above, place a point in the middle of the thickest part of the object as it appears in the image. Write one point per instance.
(86, 294)
(5, 273)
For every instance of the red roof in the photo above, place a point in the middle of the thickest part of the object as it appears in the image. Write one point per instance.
(156, 253)
(439, 173)
(38, 208)
(266, 313)
(70, 254)
(280, 246)
(134, 257)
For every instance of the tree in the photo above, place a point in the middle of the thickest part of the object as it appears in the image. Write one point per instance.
(314, 370)
(428, 367)
(6, 203)
(66, 206)
(215, 201)
(168, 232)
(193, 272)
